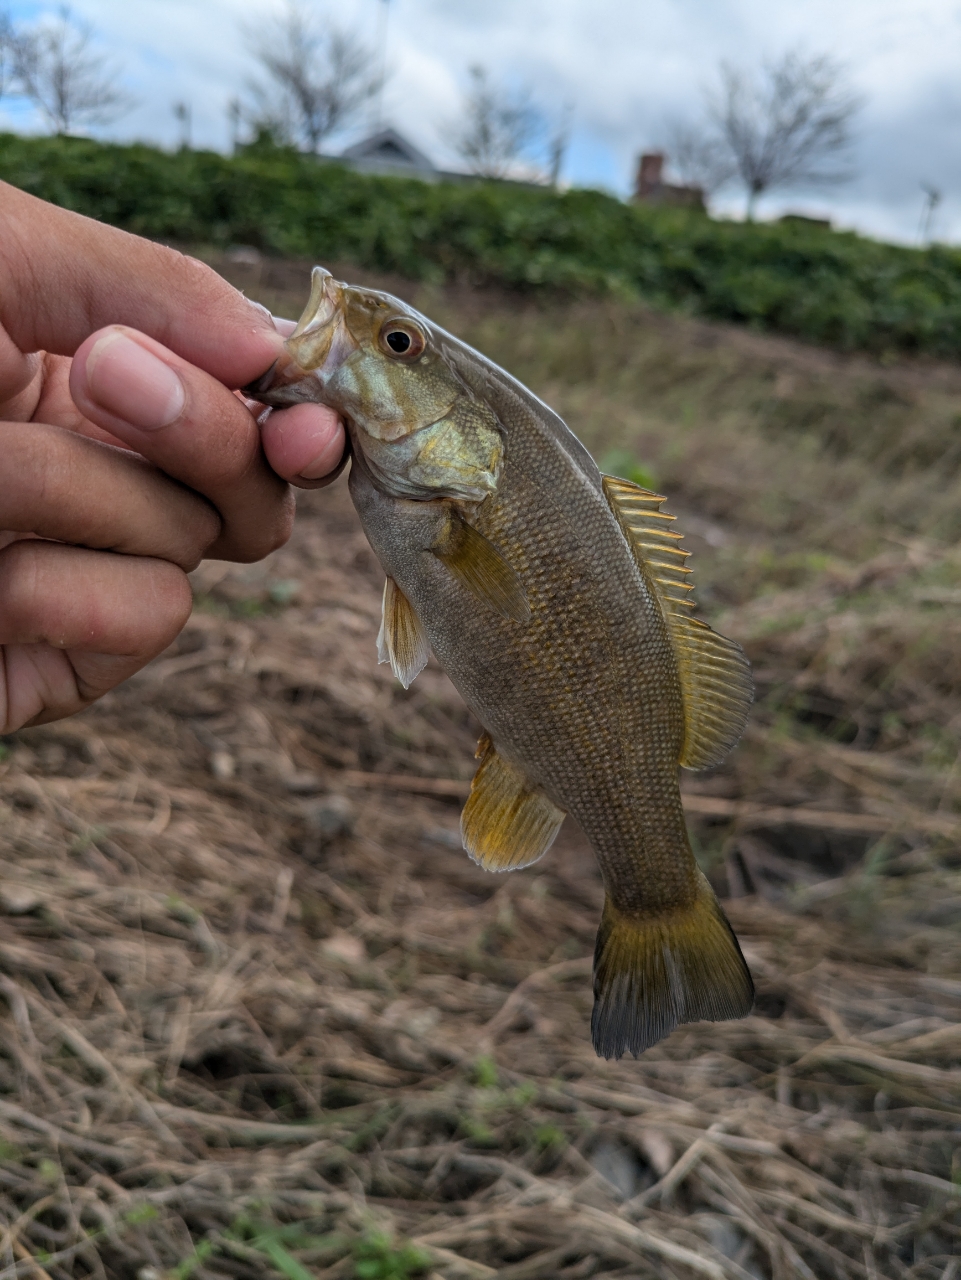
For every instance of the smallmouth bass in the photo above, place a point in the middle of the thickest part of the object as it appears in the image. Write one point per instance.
(557, 599)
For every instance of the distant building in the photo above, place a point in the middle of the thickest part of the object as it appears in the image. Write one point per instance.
(388, 151)
(650, 187)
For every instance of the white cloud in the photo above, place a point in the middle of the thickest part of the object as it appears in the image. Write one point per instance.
(626, 67)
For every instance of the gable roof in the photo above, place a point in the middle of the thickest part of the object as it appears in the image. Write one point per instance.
(388, 147)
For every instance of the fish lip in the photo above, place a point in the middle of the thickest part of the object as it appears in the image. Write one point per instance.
(321, 342)
(326, 299)
(318, 346)
(283, 384)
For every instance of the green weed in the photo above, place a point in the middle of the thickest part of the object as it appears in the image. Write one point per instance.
(478, 1132)
(141, 1214)
(376, 1257)
(548, 1137)
(484, 1074)
(284, 591)
(378, 1124)
(249, 607)
(523, 1095)
(201, 1252)
(209, 604)
(181, 910)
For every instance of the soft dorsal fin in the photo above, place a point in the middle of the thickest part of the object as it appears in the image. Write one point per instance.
(507, 822)
(716, 682)
(402, 640)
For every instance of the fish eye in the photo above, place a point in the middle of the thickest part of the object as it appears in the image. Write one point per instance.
(403, 339)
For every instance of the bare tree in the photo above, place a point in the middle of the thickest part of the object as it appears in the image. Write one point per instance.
(789, 125)
(317, 78)
(701, 158)
(53, 65)
(497, 126)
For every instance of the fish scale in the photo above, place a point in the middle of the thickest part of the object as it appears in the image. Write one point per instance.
(559, 602)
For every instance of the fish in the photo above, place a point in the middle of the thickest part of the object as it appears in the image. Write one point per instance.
(560, 604)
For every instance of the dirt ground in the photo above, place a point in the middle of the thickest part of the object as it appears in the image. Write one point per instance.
(262, 1016)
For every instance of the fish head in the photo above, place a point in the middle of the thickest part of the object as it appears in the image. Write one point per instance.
(419, 429)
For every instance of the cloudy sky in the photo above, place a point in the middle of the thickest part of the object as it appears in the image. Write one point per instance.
(625, 66)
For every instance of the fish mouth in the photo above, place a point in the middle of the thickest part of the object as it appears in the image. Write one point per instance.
(318, 346)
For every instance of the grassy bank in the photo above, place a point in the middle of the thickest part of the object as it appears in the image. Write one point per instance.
(830, 288)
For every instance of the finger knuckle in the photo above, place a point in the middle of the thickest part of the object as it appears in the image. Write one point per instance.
(33, 467)
(21, 587)
(270, 534)
(205, 529)
(171, 604)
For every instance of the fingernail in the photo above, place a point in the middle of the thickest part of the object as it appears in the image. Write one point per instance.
(131, 383)
(277, 325)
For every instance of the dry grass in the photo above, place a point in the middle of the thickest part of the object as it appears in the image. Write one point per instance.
(261, 1016)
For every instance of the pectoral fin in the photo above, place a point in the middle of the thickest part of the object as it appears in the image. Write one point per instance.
(715, 676)
(481, 568)
(507, 822)
(402, 640)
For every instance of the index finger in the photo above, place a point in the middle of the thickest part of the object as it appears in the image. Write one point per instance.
(63, 276)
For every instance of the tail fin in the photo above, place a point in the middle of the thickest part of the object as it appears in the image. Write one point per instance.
(653, 973)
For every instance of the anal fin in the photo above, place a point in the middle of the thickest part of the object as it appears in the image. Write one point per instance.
(507, 822)
(481, 568)
(652, 973)
(402, 640)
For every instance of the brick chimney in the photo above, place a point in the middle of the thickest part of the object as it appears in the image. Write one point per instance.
(649, 174)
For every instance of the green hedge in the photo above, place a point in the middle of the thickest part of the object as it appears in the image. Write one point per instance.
(832, 288)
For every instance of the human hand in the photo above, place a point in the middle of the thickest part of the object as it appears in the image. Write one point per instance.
(124, 455)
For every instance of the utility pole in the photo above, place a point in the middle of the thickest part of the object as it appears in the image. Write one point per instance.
(932, 198)
(183, 115)
(560, 141)
(233, 120)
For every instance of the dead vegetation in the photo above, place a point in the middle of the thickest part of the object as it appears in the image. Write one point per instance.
(262, 1016)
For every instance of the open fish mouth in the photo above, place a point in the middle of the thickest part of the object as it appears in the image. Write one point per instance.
(317, 347)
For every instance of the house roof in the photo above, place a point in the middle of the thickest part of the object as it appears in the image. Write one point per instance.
(388, 147)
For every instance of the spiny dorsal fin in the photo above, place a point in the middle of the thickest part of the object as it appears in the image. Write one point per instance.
(402, 641)
(481, 568)
(507, 822)
(716, 682)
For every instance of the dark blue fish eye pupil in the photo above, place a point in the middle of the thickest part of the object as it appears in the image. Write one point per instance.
(399, 341)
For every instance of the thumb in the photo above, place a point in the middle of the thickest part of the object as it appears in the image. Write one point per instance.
(305, 444)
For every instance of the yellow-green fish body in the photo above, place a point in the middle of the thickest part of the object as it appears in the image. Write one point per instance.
(556, 600)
